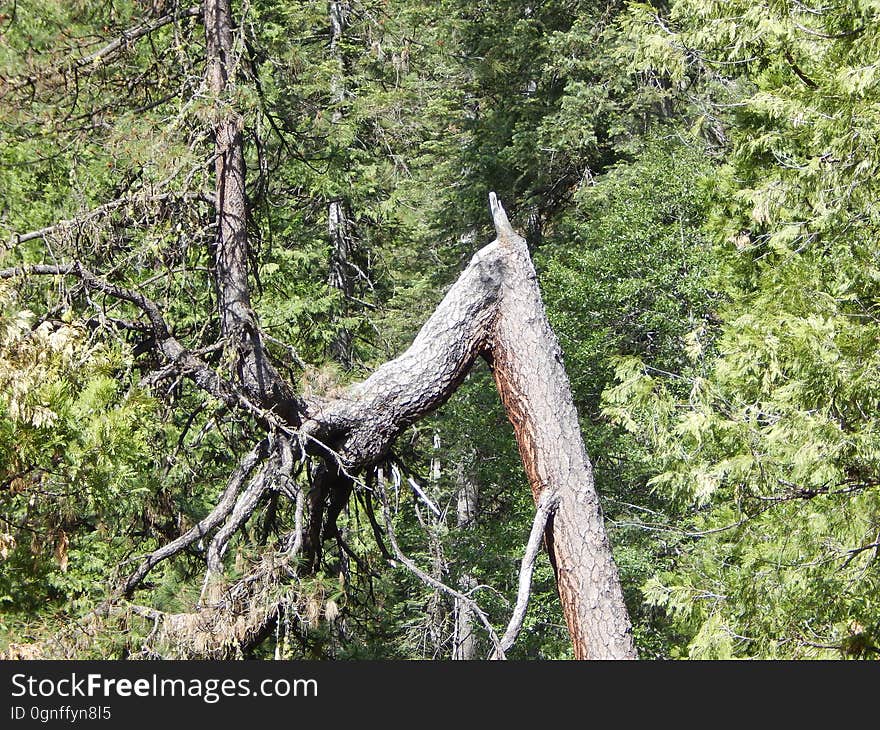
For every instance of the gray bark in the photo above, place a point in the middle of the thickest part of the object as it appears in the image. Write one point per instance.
(495, 310)
(466, 647)
(238, 321)
(342, 250)
(339, 224)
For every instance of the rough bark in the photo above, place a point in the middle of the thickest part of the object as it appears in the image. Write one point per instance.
(238, 322)
(467, 503)
(343, 244)
(493, 310)
(361, 424)
(527, 364)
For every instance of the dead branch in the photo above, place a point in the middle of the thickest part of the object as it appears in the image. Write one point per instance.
(430, 580)
(546, 505)
(96, 59)
(106, 209)
(223, 507)
(179, 357)
(275, 475)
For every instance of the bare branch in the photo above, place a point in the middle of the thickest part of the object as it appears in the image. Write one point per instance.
(102, 55)
(546, 505)
(106, 209)
(241, 512)
(430, 580)
(424, 497)
(223, 507)
(147, 306)
(180, 357)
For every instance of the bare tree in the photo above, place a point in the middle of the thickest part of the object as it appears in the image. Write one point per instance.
(343, 243)
(467, 504)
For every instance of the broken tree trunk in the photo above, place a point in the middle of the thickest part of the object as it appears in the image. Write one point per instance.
(495, 310)
(527, 364)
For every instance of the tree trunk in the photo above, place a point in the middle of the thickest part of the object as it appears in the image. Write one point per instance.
(339, 223)
(342, 244)
(238, 322)
(493, 310)
(527, 364)
(467, 503)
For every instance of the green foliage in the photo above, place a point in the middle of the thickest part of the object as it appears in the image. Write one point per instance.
(625, 277)
(80, 454)
(776, 441)
(698, 182)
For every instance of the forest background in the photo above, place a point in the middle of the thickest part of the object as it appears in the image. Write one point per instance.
(697, 184)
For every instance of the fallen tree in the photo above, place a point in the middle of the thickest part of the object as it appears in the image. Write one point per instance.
(493, 311)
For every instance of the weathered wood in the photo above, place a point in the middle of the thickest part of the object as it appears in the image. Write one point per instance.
(238, 322)
(221, 510)
(546, 505)
(527, 364)
(495, 310)
(361, 424)
(467, 505)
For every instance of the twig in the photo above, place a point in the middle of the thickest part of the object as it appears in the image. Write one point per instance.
(430, 580)
(94, 59)
(108, 208)
(546, 504)
(425, 498)
(220, 511)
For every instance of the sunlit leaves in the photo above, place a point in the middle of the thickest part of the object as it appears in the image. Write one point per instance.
(779, 451)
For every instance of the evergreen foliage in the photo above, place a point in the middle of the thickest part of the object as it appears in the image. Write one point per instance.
(697, 181)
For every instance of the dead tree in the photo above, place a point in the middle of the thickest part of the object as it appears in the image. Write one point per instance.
(467, 505)
(340, 227)
(493, 311)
